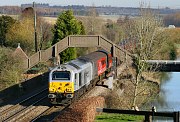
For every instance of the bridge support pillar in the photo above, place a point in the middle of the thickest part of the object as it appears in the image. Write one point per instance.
(55, 55)
(113, 53)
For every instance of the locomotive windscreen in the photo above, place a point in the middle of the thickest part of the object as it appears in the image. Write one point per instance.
(61, 75)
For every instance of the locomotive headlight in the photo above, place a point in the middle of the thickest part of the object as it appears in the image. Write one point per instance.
(51, 90)
(69, 90)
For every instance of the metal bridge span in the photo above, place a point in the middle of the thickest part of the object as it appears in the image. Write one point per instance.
(165, 65)
(78, 41)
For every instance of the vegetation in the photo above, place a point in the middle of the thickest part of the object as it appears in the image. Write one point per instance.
(152, 42)
(174, 35)
(10, 68)
(5, 24)
(104, 117)
(118, 100)
(93, 24)
(67, 25)
(149, 41)
(113, 31)
(172, 19)
(18, 33)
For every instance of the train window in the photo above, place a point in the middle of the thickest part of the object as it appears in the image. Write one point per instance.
(75, 76)
(75, 81)
(61, 75)
(80, 79)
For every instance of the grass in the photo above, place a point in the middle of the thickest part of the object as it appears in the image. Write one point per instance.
(177, 45)
(104, 117)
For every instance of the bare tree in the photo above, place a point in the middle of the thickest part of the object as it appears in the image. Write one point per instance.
(18, 32)
(93, 24)
(112, 31)
(147, 36)
(45, 34)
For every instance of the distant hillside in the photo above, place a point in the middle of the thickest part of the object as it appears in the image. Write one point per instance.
(47, 10)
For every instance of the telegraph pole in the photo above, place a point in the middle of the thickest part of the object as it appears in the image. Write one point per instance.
(35, 31)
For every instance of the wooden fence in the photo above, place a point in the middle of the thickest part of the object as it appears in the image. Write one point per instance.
(147, 114)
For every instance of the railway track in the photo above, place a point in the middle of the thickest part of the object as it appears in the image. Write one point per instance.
(50, 114)
(33, 109)
(13, 111)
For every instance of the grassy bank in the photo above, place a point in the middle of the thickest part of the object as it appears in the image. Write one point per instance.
(178, 49)
(104, 117)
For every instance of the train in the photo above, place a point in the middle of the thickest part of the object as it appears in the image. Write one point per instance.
(70, 80)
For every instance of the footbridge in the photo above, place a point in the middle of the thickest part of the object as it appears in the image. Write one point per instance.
(95, 41)
(165, 65)
(78, 41)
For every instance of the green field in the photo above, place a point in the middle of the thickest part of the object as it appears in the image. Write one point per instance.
(104, 117)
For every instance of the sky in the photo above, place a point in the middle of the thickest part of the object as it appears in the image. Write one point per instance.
(116, 3)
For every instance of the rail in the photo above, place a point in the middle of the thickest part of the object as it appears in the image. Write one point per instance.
(12, 111)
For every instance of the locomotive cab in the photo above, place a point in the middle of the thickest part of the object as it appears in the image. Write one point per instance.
(61, 84)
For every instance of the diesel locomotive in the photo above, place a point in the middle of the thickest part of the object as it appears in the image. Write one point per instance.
(70, 80)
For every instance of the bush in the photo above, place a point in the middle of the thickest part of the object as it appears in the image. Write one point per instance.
(10, 68)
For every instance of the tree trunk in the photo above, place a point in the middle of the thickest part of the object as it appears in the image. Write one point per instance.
(135, 90)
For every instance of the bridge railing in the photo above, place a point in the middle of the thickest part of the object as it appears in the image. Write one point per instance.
(46, 54)
(83, 41)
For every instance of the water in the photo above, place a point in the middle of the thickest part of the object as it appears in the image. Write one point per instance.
(170, 96)
(172, 92)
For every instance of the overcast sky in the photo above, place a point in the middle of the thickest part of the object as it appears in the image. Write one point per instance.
(118, 3)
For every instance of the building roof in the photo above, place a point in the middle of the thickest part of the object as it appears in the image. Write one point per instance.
(20, 53)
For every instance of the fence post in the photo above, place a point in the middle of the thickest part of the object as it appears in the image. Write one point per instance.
(98, 41)
(69, 44)
(176, 117)
(153, 110)
(147, 118)
(39, 55)
(29, 63)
